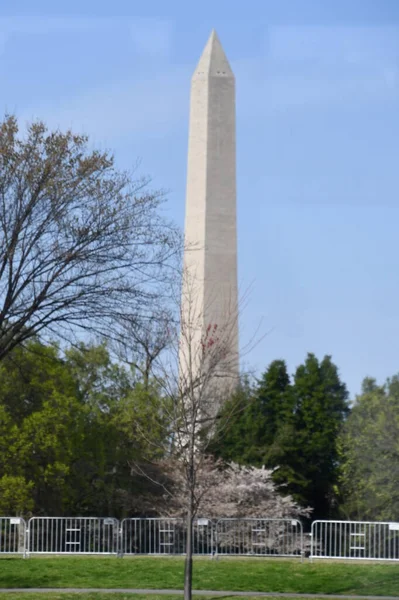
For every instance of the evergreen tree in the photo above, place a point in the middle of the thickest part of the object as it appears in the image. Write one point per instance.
(309, 465)
(275, 399)
(234, 443)
(292, 428)
(260, 412)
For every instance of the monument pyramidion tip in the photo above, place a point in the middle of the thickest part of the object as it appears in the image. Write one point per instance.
(213, 61)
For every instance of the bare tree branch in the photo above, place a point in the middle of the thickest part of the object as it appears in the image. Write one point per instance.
(83, 247)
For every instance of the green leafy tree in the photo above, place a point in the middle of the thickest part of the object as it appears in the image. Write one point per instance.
(50, 440)
(15, 495)
(369, 446)
(101, 383)
(122, 422)
(40, 426)
(30, 375)
(70, 428)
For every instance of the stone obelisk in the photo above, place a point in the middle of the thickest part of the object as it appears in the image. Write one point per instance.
(210, 294)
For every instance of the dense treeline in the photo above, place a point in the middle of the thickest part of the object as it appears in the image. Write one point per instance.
(67, 431)
(70, 424)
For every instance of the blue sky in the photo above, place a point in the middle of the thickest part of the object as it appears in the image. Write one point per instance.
(318, 145)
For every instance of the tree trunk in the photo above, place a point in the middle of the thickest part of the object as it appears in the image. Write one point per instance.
(188, 565)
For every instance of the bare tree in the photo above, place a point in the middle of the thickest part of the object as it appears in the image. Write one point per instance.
(197, 374)
(83, 247)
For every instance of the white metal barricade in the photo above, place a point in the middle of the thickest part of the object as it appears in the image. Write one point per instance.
(152, 536)
(204, 537)
(362, 540)
(12, 535)
(259, 537)
(72, 535)
(164, 536)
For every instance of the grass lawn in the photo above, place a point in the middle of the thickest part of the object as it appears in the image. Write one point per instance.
(96, 596)
(224, 574)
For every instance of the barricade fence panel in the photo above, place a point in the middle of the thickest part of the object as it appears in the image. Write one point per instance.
(72, 535)
(165, 536)
(362, 540)
(259, 537)
(12, 535)
(204, 537)
(152, 536)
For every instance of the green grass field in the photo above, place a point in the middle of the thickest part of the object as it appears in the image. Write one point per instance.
(97, 596)
(223, 574)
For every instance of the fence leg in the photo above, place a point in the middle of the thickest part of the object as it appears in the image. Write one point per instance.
(120, 543)
(311, 546)
(27, 536)
(215, 550)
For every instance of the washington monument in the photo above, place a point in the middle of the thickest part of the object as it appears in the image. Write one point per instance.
(210, 295)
